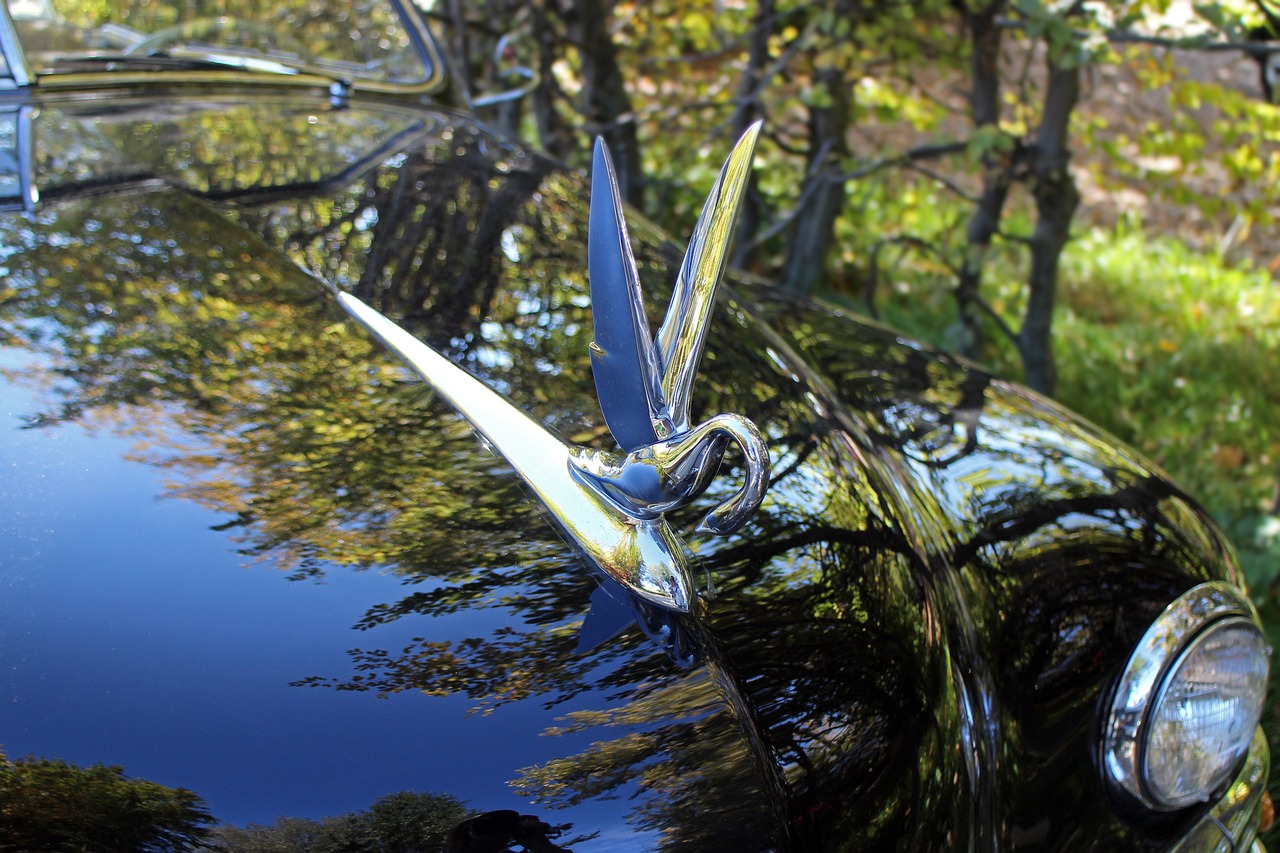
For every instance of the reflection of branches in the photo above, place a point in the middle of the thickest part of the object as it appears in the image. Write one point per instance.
(1139, 499)
(965, 412)
(747, 559)
(482, 668)
(872, 282)
(677, 747)
(795, 460)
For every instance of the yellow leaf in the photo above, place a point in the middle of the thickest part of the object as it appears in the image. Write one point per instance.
(1229, 456)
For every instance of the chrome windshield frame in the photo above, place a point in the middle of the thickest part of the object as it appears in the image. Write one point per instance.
(19, 72)
(420, 38)
(15, 133)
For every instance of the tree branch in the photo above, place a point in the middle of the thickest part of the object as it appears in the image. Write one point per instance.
(873, 273)
(906, 158)
(1004, 327)
(945, 181)
(1203, 42)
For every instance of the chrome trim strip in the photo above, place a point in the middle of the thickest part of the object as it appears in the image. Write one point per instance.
(26, 155)
(420, 34)
(1232, 824)
(79, 81)
(1160, 647)
(14, 56)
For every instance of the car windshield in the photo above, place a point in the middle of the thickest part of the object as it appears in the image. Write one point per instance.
(366, 40)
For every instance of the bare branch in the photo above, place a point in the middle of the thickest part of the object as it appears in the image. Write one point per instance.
(943, 180)
(722, 53)
(906, 158)
(783, 221)
(873, 272)
(1005, 328)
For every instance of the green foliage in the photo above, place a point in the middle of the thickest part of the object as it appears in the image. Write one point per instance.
(51, 806)
(403, 822)
(1175, 352)
(1206, 148)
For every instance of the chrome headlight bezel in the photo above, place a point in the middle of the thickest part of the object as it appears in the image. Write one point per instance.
(1167, 643)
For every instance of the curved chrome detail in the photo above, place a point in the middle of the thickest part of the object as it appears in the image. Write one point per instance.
(669, 474)
(612, 506)
(17, 165)
(624, 362)
(1232, 823)
(684, 329)
(645, 386)
(644, 555)
(1154, 657)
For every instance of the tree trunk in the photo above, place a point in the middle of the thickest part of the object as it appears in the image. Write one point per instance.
(997, 171)
(1056, 198)
(814, 228)
(606, 104)
(461, 51)
(822, 191)
(554, 134)
(746, 112)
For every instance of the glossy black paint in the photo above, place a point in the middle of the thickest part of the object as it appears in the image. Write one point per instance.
(904, 649)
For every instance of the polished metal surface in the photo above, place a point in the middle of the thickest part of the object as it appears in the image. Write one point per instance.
(309, 72)
(18, 73)
(520, 79)
(667, 475)
(624, 362)
(908, 644)
(1233, 821)
(644, 388)
(643, 555)
(1155, 654)
(684, 330)
(17, 180)
(612, 506)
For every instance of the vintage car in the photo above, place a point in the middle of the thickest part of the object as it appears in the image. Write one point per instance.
(770, 577)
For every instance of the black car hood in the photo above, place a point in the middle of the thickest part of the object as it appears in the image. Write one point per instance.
(246, 555)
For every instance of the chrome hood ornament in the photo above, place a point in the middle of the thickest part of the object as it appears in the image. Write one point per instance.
(613, 506)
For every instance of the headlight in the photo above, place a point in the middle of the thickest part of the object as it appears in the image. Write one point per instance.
(1185, 709)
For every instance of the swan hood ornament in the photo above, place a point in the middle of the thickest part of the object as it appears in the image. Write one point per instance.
(613, 506)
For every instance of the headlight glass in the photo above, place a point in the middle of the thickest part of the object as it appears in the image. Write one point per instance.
(1186, 707)
(1205, 713)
